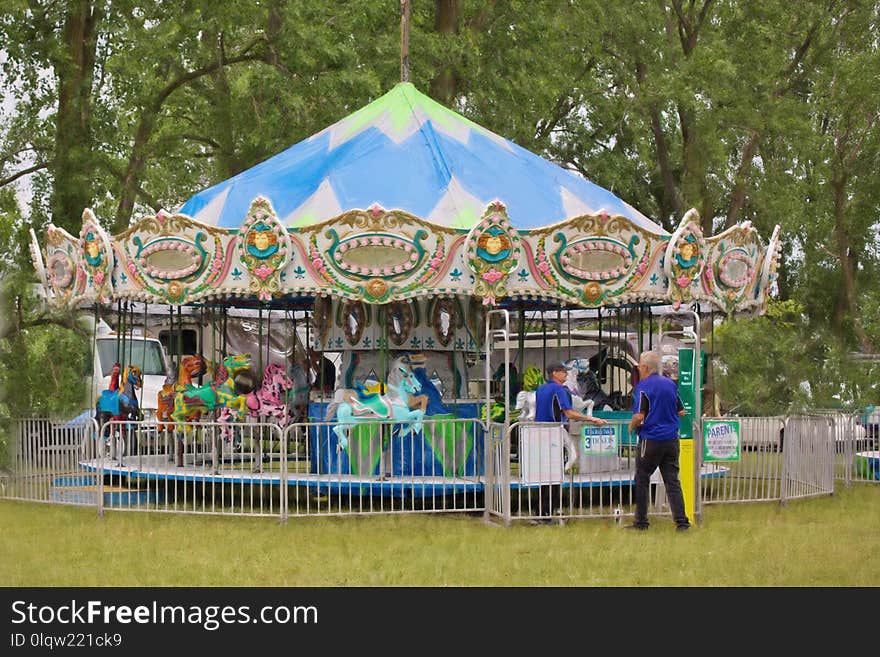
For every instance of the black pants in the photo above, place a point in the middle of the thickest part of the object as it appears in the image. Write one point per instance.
(663, 454)
(549, 497)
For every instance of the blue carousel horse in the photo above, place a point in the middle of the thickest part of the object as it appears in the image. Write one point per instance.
(430, 400)
(114, 405)
(351, 407)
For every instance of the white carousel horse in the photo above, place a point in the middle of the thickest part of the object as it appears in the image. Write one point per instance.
(351, 407)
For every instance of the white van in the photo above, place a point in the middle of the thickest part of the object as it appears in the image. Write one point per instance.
(146, 353)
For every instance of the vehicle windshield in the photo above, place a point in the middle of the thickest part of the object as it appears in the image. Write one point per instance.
(146, 354)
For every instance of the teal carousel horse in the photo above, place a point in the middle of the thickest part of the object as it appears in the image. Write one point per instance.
(352, 407)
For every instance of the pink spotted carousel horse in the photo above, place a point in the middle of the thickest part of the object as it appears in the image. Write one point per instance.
(269, 401)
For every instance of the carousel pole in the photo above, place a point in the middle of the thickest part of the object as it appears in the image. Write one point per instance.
(260, 338)
(641, 327)
(120, 332)
(308, 322)
(383, 350)
(126, 344)
(568, 325)
(521, 339)
(201, 351)
(171, 353)
(131, 332)
(558, 329)
(215, 343)
(617, 350)
(180, 333)
(141, 400)
(116, 328)
(94, 391)
(268, 335)
(224, 317)
(543, 343)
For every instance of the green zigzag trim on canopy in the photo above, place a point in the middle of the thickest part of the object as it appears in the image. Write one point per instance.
(404, 151)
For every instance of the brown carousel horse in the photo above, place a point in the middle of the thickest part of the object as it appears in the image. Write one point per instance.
(190, 368)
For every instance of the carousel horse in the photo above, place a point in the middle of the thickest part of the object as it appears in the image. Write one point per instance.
(189, 368)
(112, 404)
(589, 388)
(269, 400)
(115, 405)
(271, 397)
(525, 400)
(165, 404)
(107, 403)
(192, 402)
(430, 401)
(351, 407)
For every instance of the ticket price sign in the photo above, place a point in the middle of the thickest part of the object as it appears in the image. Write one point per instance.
(721, 440)
(600, 441)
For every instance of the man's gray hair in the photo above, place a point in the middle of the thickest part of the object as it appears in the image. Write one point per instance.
(652, 360)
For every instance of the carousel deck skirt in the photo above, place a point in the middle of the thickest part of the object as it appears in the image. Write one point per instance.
(158, 468)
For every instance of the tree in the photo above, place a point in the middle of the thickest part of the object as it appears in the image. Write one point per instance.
(765, 112)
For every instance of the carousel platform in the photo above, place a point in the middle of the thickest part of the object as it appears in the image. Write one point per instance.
(235, 472)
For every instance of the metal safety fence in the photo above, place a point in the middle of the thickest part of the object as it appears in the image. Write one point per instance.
(525, 471)
(248, 468)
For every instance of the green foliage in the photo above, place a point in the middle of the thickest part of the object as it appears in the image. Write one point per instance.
(780, 363)
(762, 111)
(34, 379)
(43, 355)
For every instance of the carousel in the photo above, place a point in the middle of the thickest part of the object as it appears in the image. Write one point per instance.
(416, 250)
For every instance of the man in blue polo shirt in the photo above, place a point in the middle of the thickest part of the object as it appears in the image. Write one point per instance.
(656, 409)
(553, 404)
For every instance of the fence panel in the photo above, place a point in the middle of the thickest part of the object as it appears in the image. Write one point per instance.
(379, 467)
(558, 473)
(856, 455)
(809, 457)
(43, 462)
(758, 475)
(205, 467)
(497, 476)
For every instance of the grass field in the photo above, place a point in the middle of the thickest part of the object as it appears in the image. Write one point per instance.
(831, 541)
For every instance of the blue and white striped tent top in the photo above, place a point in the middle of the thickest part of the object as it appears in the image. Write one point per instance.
(407, 152)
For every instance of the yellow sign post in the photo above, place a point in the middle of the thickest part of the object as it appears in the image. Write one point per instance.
(686, 475)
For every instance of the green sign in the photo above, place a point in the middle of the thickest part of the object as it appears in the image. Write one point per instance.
(721, 440)
(687, 390)
(600, 441)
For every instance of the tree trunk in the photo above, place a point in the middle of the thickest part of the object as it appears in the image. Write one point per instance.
(73, 137)
(226, 160)
(845, 304)
(443, 86)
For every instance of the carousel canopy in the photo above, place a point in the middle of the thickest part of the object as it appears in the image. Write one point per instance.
(408, 152)
(404, 200)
